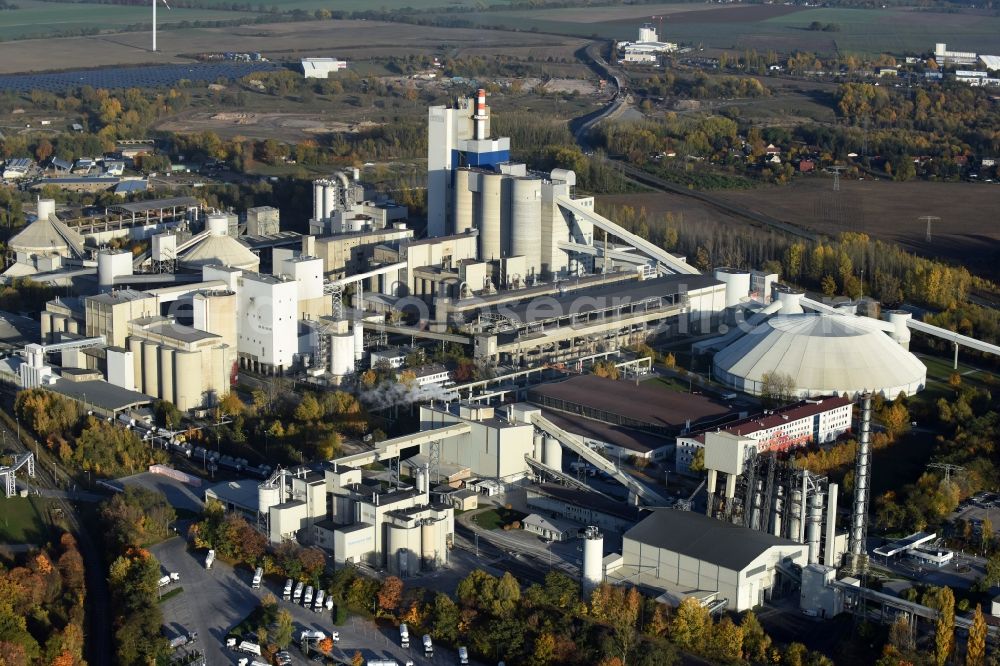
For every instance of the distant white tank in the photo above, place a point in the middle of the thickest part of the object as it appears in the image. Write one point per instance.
(593, 557)
(421, 480)
(317, 199)
(791, 300)
(553, 453)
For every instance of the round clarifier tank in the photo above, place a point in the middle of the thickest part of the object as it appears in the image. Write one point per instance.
(593, 557)
(526, 221)
(553, 453)
(463, 202)
(490, 216)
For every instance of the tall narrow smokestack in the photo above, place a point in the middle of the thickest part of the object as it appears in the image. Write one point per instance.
(480, 116)
(859, 514)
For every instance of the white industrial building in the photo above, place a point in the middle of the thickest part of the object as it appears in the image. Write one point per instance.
(685, 554)
(648, 48)
(824, 354)
(945, 57)
(811, 421)
(321, 68)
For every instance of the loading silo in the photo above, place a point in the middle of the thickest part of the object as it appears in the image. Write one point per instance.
(341, 354)
(428, 545)
(593, 557)
(217, 224)
(463, 202)
(526, 222)
(46, 208)
(489, 217)
(268, 495)
(151, 369)
(188, 380)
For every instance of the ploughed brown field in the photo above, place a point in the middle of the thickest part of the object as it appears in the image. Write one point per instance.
(967, 233)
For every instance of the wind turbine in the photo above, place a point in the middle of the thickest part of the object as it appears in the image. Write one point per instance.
(154, 20)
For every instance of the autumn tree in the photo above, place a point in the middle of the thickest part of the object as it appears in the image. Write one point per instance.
(777, 388)
(606, 369)
(283, 629)
(691, 625)
(943, 600)
(756, 642)
(975, 650)
(390, 593)
(726, 644)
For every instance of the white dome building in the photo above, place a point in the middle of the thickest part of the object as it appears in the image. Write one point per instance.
(216, 247)
(823, 354)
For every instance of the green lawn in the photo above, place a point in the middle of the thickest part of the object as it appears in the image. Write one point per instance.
(34, 18)
(23, 520)
(495, 519)
(667, 384)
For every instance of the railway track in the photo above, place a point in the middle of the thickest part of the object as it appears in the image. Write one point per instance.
(97, 639)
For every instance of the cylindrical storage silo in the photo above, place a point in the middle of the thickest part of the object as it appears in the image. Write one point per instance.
(779, 504)
(593, 557)
(342, 354)
(814, 527)
(329, 198)
(737, 284)
(794, 520)
(359, 342)
(46, 208)
(421, 478)
(151, 370)
(138, 361)
(901, 330)
(428, 549)
(463, 202)
(188, 380)
(268, 495)
(489, 217)
(526, 222)
(217, 224)
(539, 447)
(317, 199)
(791, 300)
(167, 374)
(553, 453)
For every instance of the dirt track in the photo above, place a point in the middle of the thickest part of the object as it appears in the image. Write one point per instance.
(354, 40)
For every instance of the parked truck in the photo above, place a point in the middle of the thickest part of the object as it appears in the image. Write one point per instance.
(307, 598)
(463, 655)
(287, 593)
(297, 595)
(183, 639)
(210, 558)
(169, 578)
(404, 635)
(428, 646)
(249, 647)
(258, 576)
(318, 602)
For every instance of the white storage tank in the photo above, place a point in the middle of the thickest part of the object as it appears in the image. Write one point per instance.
(341, 354)
(428, 544)
(421, 480)
(791, 300)
(111, 264)
(901, 330)
(490, 216)
(526, 222)
(217, 224)
(593, 557)
(46, 208)
(553, 453)
(329, 198)
(268, 495)
(463, 202)
(737, 284)
(317, 199)
(359, 342)
(539, 447)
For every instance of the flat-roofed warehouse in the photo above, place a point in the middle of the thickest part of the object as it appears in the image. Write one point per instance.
(641, 407)
(688, 554)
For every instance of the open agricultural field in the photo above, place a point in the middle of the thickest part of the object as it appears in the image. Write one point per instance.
(369, 5)
(966, 234)
(768, 27)
(355, 40)
(34, 18)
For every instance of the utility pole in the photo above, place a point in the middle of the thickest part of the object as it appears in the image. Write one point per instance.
(836, 177)
(928, 219)
(948, 469)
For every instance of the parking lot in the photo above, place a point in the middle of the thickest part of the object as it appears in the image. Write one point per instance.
(214, 601)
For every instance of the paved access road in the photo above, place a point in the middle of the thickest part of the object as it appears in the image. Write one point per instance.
(213, 601)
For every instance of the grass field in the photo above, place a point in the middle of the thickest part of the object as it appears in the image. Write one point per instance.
(39, 19)
(495, 519)
(23, 520)
(370, 6)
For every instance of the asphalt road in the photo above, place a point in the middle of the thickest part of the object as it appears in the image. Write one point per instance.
(213, 601)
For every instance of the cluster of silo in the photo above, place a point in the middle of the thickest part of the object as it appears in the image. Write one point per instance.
(335, 194)
(547, 450)
(506, 209)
